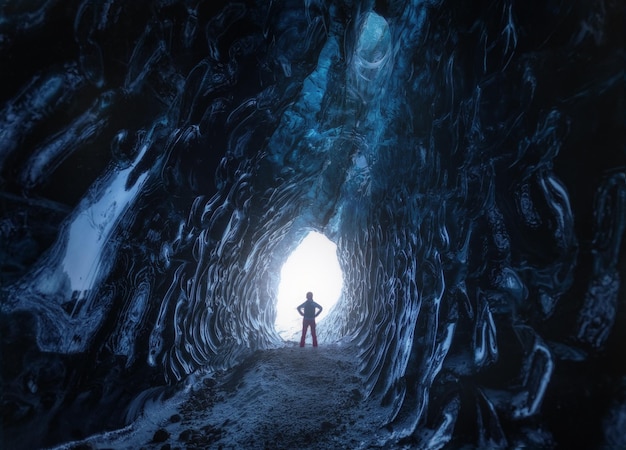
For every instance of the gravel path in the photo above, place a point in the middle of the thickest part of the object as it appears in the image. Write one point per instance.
(286, 398)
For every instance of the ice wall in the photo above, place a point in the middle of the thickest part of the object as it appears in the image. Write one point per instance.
(160, 160)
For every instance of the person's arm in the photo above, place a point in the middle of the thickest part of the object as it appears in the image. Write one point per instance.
(320, 307)
(301, 309)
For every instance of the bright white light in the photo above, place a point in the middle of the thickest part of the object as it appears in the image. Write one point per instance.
(313, 267)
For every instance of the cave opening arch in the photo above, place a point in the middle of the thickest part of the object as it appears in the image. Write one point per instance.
(311, 267)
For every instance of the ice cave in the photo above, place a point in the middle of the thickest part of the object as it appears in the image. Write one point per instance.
(161, 160)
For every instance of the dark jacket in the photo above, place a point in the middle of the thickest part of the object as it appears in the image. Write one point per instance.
(307, 309)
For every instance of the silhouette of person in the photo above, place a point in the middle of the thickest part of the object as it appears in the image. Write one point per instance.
(308, 310)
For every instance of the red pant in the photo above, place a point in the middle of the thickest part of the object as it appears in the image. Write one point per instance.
(308, 323)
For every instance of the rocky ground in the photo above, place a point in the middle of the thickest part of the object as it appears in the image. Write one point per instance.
(286, 398)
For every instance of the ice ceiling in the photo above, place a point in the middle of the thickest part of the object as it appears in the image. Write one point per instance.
(160, 160)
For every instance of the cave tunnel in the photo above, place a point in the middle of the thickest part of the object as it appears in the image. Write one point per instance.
(160, 160)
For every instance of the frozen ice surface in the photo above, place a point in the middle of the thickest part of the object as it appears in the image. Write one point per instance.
(160, 161)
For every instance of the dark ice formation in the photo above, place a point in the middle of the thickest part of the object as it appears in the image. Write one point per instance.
(159, 160)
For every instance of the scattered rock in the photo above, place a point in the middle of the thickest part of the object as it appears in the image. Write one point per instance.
(175, 418)
(161, 435)
(185, 435)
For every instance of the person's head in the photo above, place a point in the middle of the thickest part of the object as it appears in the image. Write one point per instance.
(309, 295)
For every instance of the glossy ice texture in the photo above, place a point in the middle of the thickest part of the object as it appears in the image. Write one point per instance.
(160, 160)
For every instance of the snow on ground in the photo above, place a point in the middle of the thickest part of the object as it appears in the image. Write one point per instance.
(285, 398)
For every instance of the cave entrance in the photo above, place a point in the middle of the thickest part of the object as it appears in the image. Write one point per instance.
(313, 266)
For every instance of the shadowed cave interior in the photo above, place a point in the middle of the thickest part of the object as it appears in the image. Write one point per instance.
(160, 160)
